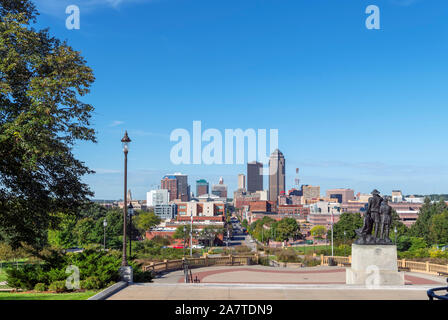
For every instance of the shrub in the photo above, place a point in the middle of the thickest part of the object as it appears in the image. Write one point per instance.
(40, 287)
(288, 255)
(163, 241)
(57, 286)
(91, 263)
(142, 276)
(26, 277)
(91, 283)
(310, 262)
(264, 261)
(242, 249)
(437, 253)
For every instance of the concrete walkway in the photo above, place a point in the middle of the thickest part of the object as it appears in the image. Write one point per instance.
(273, 283)
(183, 291)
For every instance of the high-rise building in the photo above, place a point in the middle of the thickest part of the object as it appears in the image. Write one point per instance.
(254, 176)
(169, 183)
(341, 195)
(310, 192)
(166, 211)
(201, 187)
(276, 175)
(157, 197)
(183, 189)
(220, 189)
(242, 181)
(177, 185)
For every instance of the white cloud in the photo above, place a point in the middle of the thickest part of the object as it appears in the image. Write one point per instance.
(116, 123)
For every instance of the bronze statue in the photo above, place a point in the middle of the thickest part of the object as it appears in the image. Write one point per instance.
(373, 218)
(386, 221)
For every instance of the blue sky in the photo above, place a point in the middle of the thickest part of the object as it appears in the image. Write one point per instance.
(354, 107)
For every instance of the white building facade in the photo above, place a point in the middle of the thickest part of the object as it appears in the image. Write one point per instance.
(157, 197)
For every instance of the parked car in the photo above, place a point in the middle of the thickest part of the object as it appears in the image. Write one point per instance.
(198, 246)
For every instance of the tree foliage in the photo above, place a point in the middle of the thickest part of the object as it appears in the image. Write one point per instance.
(41, 118)
(438, 230)
(318, 232)
(87, 228)
(348, 222)
(146, 220)
(287, 228)
(422, 227)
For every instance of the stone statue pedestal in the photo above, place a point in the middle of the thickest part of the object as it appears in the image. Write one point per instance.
(126, 274)
(374, 265)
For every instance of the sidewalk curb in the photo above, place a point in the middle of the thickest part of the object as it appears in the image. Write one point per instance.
(106, 293)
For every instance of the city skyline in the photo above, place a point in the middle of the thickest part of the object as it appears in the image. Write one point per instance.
(369, 115)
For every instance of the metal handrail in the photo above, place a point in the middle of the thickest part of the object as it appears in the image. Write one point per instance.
(188, 275)
(432, 295)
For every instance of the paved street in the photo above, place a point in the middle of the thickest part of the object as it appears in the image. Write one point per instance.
(239, 238)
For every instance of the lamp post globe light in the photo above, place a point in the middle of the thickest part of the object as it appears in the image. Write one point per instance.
(125, 270)
(395, 230)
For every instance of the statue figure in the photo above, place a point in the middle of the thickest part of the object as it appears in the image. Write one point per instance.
(386, 221)
(371, 219)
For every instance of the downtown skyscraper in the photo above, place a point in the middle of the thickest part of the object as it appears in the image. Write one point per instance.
(276, 175)
(254, 176)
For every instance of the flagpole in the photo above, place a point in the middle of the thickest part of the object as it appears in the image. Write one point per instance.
(191, 235)
(332, 222)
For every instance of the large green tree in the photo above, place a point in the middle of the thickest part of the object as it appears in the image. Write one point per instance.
(287, 228)
(421, 227)
(438, 230)
(348, 223)
(42, 80)
(87, 228)
(318, 232)
(261, 229)
(146, 220)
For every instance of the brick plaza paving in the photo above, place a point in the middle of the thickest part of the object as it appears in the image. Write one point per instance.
(273, 283)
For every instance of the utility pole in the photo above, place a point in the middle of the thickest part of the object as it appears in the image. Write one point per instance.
(332, 221)
(191, 235)
(185, 236)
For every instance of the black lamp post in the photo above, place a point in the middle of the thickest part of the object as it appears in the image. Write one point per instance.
(345, 242)
(185, 238)
(131, 213)
(395, 231)
(126, 141)
(104, 225)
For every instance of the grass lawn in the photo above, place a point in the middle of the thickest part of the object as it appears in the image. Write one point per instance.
(47, 296)
(309, 248)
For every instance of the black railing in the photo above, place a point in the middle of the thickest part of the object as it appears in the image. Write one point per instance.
(432, 295)
(188, 275)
